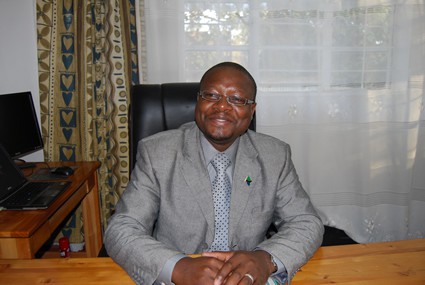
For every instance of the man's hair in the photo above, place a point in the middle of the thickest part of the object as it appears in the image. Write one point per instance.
(228, 64)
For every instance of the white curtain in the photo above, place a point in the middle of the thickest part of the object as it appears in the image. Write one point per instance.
(341, 81)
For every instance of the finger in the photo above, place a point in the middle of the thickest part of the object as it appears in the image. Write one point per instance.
(221, 255)
(228, 274)
(214, 263)
(250, 277)
(236, 277)
(201, 270)
(244, 267)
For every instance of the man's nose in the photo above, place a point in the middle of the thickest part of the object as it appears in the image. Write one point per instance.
(223, 104)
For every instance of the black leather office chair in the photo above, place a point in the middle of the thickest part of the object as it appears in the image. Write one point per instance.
(159, 107)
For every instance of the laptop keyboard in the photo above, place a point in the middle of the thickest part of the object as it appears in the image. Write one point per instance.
(26, 193)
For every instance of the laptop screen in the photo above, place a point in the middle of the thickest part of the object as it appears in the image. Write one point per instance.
(10, 176)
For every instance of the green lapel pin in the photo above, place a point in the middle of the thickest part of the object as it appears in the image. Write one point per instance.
(248, 180)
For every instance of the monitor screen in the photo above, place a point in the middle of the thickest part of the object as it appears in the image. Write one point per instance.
(19, 130)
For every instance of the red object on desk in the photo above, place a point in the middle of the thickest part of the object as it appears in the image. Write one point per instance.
(64, 247)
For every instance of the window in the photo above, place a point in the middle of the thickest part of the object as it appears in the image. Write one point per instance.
(289, 49)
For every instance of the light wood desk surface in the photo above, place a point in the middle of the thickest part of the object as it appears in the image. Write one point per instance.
(22, 233)
(385, 263)
(400, 262)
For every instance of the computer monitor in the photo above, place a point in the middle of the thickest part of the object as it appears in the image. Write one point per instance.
(19, 130)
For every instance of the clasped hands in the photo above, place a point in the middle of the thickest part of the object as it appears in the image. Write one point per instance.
(224, 268)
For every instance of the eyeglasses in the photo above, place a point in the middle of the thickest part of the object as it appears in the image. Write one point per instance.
(233, 100)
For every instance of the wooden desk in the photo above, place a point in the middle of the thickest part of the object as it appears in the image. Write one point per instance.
(22, 233)
(66, 271)
(401, 262)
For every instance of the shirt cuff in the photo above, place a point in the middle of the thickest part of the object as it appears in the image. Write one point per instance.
(280, 267)
(164, 277)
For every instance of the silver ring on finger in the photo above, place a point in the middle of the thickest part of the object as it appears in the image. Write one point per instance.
(250, 277)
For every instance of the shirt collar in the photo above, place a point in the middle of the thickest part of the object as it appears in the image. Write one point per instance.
(209, 151)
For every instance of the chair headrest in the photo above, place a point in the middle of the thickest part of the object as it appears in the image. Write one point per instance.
(159, 107)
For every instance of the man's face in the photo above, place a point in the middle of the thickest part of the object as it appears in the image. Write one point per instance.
(221, 122)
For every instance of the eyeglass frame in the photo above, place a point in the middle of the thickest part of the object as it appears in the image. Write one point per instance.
(228, 98)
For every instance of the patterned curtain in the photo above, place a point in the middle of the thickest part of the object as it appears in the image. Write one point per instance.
(87, 64)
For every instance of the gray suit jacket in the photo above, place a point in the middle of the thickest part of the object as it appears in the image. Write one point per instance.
(167, 207)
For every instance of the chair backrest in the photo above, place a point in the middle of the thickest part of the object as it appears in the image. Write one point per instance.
(159, 107)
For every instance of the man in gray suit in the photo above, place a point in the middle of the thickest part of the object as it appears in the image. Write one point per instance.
(169, 211)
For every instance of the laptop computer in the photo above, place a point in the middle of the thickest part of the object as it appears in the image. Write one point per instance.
(18, 193)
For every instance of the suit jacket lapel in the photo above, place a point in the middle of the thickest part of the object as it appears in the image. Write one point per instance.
(246, 165)
(196, 176)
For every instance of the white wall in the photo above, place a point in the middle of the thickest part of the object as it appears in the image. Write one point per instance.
(18, 52)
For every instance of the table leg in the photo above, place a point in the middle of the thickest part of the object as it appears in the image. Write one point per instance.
(91, 219)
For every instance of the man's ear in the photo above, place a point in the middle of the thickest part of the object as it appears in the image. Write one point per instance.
(253, 108)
